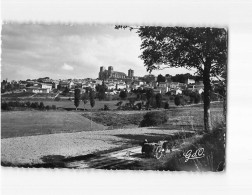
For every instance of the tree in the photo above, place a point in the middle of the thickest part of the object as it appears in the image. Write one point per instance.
(101, 89)
(92, 98)
(92, 103)
(159, 100)
(204, 49)
(84, 98)
(160, 78)
(177, 100)
(77, 97)
(149, 96)
(41, 106)
(123, 94)
(65, 91)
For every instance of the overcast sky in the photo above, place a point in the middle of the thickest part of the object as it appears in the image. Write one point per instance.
(62, 51)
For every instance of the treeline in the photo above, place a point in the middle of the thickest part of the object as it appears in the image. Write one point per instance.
(181, 78)
(34, 105)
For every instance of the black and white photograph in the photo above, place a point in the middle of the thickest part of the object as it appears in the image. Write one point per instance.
(126, 97)
(114, 96)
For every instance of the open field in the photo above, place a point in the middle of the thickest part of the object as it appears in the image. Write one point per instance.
(184, 118)
(39, 149)
(34, 138)
(17, 95)
(27, 123)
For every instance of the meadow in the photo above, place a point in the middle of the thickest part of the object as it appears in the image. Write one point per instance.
(28, 123)
(32, 122)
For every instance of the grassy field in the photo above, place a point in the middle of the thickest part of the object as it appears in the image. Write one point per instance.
(181, 118)
(26, 123)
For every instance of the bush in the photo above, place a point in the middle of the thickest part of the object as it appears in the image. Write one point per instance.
(123, 94)
(5, 106)
(28, 104)
(154, 119)
(186, 99)
(47, 107)
(197, 98)
(182, 100)
(106, 107)
(166, 106)
(34, 105)
(177, 100)
(158, 100)
(57, 98)
(54, 107)
(41, 106)
(139, 106)
(119, 103)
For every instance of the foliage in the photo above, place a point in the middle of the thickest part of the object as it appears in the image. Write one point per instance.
(41, 106)
(65, 91)
(92, 98)
(77, 97)
(197, 98)
(57, 99)
(158, 100)
(132, 100)
(123, 94)
(84, 98)
(139, 105)
(119, 103)
(34, 105)
(5, 106)
(101, 89)
(106, 107)
(177, 100)
(47, 107)
(166, 106)
(204, 49)
(149, 94)
(154, 119)
(160, 78)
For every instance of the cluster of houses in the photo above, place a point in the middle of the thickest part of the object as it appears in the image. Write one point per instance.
(113, 85)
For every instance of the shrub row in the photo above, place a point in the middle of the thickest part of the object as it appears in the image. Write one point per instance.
(34, 105)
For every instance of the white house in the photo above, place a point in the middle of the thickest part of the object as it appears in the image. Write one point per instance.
(178, 91)
(46, 86)
(37, 90)
(121, 86)
(190, 81)
(111, 86)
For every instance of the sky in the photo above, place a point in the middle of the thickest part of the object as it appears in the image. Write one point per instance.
(63, 51)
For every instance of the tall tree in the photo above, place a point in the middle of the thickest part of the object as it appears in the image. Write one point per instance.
(77, 97)
(149, 96)
(101, 89)
(204, 49)
(159, 100)
(84, 98)
(92, 103)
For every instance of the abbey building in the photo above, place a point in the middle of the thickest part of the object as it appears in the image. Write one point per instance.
(111, 74)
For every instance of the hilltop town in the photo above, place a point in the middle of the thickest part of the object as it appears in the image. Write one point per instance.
(113, 80)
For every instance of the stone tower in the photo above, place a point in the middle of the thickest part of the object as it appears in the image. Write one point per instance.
(110, 70)
(130, 73)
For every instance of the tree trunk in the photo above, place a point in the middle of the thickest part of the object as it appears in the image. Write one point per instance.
(225, 104)
(207, 92)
